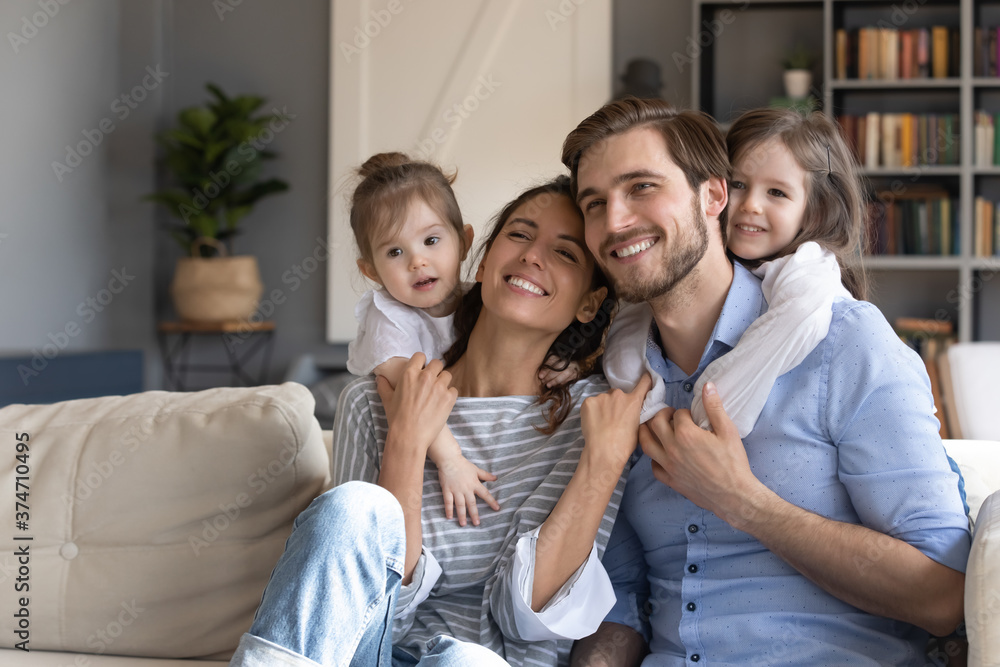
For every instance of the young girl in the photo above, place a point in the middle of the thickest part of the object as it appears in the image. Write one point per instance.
(795, 216)
(411, 241)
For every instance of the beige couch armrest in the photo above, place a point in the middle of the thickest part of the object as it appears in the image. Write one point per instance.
(982, 587)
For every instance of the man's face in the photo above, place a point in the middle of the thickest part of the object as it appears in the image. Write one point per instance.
(644, 223)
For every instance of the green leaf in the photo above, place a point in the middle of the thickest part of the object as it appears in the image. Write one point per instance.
(199, 119)
(258, 190)
(204, 225)
(215, 90)
(184, 138)
(247, 104)
(234, 215)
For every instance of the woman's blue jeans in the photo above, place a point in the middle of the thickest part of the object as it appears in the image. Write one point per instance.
(332, 595)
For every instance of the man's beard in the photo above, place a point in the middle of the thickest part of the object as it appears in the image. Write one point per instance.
(690, 246)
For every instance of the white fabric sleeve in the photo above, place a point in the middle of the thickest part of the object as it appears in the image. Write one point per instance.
(625, 356)
(800, 289)
(383, 333)
(577, 608)
(425, 576)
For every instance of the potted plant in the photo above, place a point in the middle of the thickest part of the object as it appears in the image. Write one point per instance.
(215, 156)
(798, 72)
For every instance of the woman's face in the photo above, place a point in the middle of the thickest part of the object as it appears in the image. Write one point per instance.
(538, 271)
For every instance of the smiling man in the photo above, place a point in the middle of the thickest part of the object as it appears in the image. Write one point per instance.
(834, 532)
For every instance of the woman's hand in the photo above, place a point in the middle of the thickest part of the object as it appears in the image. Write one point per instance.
(610, 421)
(421, 402)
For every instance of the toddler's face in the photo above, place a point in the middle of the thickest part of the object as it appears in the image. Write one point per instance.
(767, 201)
(419, 263)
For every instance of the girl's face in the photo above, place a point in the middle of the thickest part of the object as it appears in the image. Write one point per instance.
(538, 271)
(767, 201)
(419, 263)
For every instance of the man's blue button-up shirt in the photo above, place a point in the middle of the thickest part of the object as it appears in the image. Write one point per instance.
(848, 434)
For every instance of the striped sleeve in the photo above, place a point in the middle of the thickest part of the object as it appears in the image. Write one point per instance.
(355, 454)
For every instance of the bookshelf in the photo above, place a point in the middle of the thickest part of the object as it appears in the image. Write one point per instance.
(960, 285)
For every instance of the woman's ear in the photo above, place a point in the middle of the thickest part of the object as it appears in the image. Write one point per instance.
(469, 234)
(368, 271)
(480, 271)
(591, 304)
(715, 196)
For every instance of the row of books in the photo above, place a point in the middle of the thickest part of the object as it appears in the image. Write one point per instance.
(890, 53)
(931, 338)
(986, 150)
(984, 52)
(902, 139)
(922, 220)
(986, 230)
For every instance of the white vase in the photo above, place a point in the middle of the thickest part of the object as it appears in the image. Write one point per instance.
(797, 83)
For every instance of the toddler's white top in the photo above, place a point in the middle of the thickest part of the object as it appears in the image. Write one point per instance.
(388, 328)
(799, 288)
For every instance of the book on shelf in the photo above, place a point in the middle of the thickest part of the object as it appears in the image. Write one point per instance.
(930, 338)
(986, 139)
(984, 51)
(986, 228)
(890, 53)
(902, 139)
(922, 219)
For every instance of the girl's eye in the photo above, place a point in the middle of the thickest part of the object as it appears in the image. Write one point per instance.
(431, 240)
(775, 192)
(567, 254)
(737, 185)
(517, 235)
(394, 252)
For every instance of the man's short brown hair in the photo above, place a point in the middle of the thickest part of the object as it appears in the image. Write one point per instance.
(692, 138)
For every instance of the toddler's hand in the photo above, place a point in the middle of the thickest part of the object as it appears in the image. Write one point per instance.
(552, 378)
(461, 482)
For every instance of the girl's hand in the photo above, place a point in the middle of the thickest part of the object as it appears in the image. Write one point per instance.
(421, 402)
(610, 421)
(552, 378)
(461, 481)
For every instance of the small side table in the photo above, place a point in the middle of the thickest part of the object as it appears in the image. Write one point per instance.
(258, 337)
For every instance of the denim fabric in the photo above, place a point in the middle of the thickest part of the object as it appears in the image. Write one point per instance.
(332, 595)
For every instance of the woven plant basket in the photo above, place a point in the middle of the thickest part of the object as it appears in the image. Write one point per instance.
(216, 289)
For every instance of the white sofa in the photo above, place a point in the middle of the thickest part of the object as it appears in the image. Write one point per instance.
(156, 519)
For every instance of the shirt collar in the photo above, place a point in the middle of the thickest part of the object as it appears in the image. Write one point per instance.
(744, 304)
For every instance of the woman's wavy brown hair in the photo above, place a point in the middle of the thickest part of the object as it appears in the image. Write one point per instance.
(580, 342)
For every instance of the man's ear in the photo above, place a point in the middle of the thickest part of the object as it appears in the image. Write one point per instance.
(469, 233)
(368, 271)
(715, 196)
(591, 304)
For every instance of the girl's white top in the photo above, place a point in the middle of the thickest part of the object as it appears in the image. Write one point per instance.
(800, 290)
(388, 328)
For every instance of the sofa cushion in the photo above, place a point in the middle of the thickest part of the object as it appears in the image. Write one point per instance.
(154, 519)
(982, 586)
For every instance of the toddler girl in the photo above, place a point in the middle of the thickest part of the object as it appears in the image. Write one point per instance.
(412, 242)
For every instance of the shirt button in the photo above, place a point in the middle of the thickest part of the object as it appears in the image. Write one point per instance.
(692, 568)
(691, 606)
(695, 657)
(688, 386)
(692, 528)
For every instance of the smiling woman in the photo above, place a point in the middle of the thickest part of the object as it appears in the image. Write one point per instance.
(518, 588)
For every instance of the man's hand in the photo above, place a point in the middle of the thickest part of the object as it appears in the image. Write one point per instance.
(709, 468)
